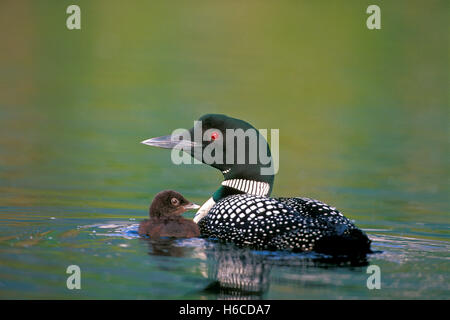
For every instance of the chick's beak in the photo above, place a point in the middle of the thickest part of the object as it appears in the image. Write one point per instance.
(191, 206)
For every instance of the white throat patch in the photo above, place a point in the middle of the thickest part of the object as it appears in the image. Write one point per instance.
(203, 211)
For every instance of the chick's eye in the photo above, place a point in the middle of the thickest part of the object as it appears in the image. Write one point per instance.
(175, 201)
(214, 135)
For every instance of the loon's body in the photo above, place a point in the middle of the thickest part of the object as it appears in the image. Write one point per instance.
(299, 224)
(241, 210)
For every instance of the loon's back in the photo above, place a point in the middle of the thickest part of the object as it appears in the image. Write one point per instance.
(298, 224)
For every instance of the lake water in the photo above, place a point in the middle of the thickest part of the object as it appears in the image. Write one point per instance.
(364, 126)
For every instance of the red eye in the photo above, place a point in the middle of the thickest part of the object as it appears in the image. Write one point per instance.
(214, 136)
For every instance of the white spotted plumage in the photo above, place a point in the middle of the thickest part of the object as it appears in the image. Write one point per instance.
(273, 223)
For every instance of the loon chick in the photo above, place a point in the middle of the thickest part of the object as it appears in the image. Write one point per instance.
(242, 212)
(165, 217)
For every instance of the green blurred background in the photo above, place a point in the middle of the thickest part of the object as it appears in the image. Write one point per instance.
(363, 118)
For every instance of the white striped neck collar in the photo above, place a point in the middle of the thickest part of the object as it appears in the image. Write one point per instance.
(257, 188)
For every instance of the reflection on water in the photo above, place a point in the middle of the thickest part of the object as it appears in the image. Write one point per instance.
(233, 272)
(243, 272)
(113, 257)
(238, 273)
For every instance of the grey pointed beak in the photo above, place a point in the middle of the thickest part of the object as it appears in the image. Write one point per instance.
(170, 142)
(191, 206)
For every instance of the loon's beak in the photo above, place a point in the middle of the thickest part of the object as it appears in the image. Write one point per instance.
(170, 142)
(191, 206)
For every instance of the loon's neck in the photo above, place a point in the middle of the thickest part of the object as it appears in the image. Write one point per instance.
(242, 186)
(234, 186)
(246, 180)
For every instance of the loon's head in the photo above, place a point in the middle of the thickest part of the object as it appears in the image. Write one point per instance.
(230, 145)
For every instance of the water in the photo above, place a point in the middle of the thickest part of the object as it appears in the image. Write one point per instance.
(363, 119)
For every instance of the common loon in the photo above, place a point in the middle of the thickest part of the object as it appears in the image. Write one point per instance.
(165, 217)
(242, 212)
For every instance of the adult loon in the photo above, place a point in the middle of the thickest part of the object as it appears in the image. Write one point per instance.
(242, 212)
(165, 217)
